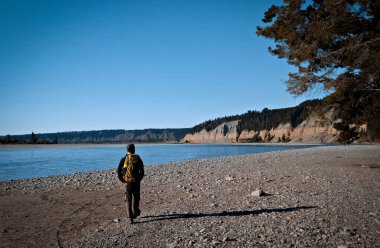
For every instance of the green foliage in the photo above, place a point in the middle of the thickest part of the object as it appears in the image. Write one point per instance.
(333, 44)
(268, 119)
(268, 137)
(354, 105)
(99, 136)
(284, 139)
(211, 124)
(348, 134)
(33, 138)
(264, 120)
(257, 138)
(25, 139)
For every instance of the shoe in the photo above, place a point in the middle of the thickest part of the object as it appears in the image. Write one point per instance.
(131, 221)
(136, 214)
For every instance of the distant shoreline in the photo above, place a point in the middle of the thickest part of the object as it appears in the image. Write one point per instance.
(30, 146)
(75, 145)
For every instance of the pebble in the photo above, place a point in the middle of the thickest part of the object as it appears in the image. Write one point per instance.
(172, 245)
(253, 223)
(225, 239)
(215, 242)
(348, 231)
(257, 193)
(229, 178)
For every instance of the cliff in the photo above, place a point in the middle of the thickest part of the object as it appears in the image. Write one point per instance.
(148, 136)
(224, 133)
(313, 129)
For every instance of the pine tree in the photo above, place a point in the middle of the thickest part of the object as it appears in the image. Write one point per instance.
(33, 138)
(333, 44)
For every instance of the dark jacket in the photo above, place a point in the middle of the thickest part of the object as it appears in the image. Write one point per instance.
(134, 173)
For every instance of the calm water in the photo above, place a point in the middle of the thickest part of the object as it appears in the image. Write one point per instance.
(41, 162)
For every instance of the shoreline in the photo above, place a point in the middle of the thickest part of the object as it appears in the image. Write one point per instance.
(53, 177)
(320, 197)
(75, 145)
(29, 146)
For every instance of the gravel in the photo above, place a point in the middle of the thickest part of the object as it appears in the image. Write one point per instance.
(315, 197)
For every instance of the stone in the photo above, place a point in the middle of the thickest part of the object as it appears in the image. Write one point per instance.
(229, 178)
(257, 193)
(225, 239)
(349, 231)
(172, 245)
(215, 242)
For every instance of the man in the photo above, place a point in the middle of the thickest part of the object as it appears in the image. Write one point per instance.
(130, 171)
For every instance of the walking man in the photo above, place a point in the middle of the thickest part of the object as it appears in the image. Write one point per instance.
(131, 171)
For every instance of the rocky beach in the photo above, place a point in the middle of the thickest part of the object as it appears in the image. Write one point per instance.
(317, 197)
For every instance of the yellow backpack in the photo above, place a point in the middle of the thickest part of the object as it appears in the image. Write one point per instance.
(130, 168)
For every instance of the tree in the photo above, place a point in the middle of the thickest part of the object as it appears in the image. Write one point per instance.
(8, 139)
(283, 139)
(33, 138)
(348, 134)
(334, 44)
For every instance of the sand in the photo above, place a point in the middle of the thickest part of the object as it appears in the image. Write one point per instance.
(315, 197)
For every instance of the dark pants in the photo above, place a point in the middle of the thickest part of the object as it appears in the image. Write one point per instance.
(132, 193)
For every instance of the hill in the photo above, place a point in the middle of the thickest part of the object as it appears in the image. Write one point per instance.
(266, 119)
(100, 136)
(310, 122)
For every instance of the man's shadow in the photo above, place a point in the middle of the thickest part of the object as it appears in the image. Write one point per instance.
(220, 214)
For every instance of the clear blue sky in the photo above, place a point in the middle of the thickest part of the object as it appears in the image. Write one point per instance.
(89, 65)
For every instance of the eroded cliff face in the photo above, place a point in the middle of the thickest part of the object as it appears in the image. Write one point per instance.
(224, 133)
(312, 130)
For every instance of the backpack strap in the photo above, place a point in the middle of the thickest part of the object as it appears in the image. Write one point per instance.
(126, 161)
(128, 177)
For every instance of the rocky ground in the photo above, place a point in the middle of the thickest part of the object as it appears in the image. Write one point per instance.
(316, 197)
